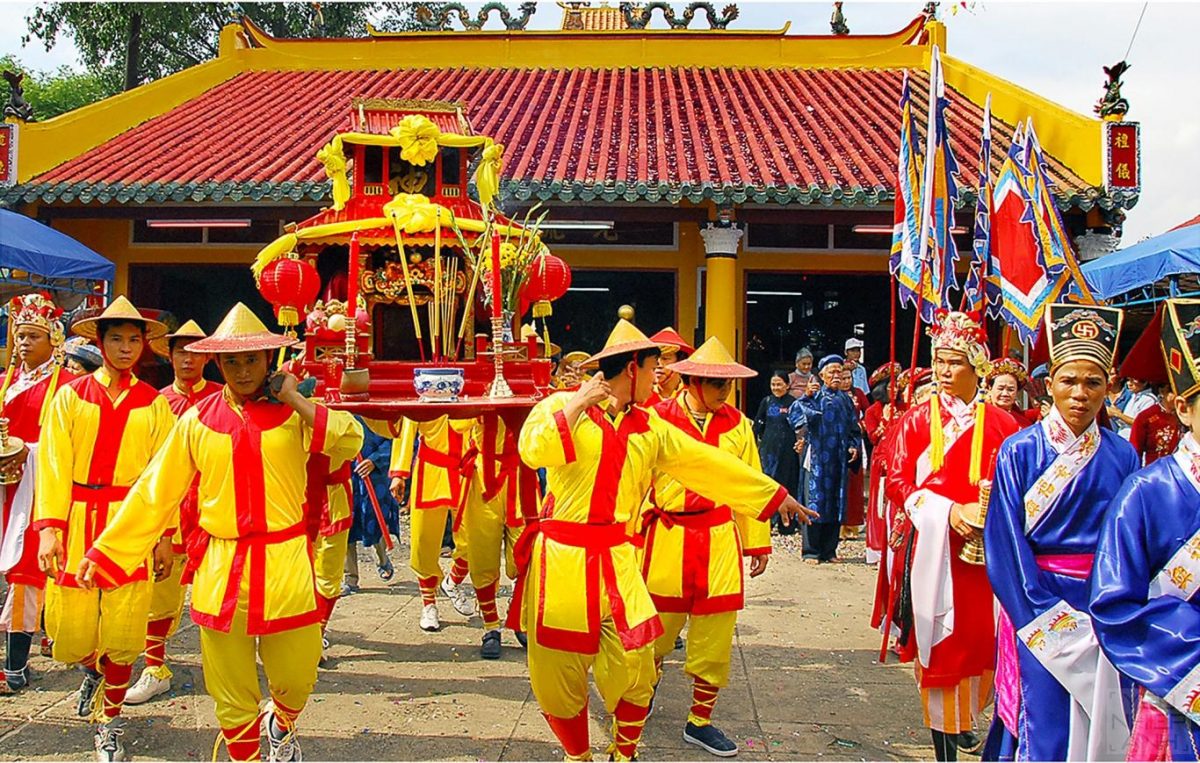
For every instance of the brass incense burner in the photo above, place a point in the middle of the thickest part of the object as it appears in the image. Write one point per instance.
(9, 447)
(972, 551)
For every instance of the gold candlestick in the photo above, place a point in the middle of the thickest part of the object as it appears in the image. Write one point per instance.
(500, 387)
(9, 447)
(972, 550)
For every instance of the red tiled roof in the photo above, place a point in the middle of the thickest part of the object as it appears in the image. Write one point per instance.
(379, 116)
(788, 135)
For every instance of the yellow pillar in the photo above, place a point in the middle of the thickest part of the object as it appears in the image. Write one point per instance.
(721, 290)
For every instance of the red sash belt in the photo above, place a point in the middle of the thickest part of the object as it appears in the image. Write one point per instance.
(438, 458)
(695, 520)
(97, 494)
(574, 534)
(97, 499)
(198, 544)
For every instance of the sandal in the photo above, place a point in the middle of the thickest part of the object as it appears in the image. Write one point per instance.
(386, 571)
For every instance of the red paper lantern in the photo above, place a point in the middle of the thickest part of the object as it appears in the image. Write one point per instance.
(549, 279)
(290, 285)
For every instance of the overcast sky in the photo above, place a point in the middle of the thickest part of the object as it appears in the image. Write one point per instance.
(1055, 49)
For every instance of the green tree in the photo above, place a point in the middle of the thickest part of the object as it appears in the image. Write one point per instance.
(60, 91)
(138, 42)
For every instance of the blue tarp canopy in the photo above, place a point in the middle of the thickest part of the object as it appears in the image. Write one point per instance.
(26, 244)
(1174, 253)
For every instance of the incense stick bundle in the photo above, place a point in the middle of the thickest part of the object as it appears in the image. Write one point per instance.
(412, 302)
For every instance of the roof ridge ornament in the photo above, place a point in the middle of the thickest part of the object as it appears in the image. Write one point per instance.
(638, 16)
(1111, 106)
(17, 107)
(435, 17)
(837, 22)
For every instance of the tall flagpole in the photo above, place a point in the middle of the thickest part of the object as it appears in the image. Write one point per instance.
(937, 88)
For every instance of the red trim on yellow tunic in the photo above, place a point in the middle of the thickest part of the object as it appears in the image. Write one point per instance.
(596, 540)
(564, 433)
(181, 401)
(613, 453)
(697, 540)
(245, 433)
(99, 493)
(320, 428)
(451, 461)
(773, 506)
(337, 479)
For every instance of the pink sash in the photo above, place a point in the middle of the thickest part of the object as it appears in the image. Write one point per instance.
(1151, 734)
(1008, 674)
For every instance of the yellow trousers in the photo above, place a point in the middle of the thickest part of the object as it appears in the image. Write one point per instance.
(709, 643)
(329, 559)
(487, 536)
(102, 623)
(166, 598)
(560, 679)
(289, 659)
(427, 527)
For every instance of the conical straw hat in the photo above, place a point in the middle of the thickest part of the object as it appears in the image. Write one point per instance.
(625, 337)
(241, 331)
(671, 341)
(121, 309)
(189, 330)
(712, 361)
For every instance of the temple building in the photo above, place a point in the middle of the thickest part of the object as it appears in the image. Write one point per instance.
(722, 181)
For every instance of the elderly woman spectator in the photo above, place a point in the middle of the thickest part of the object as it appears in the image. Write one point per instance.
(799, 379)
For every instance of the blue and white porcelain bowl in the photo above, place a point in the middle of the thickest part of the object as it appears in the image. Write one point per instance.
(438, 384)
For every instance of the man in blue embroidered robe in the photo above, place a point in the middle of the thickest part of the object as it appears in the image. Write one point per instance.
(1147, 571)
(1057, 696)
(831, 445)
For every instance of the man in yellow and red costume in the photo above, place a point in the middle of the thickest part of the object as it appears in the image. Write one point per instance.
(694, 546)
(33, 377)
(166, 602)
(943, 449)
(254, 587)
(438, 492)
(581, 597)
(99, 434)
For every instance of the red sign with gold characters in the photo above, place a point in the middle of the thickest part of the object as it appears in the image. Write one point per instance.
(1124, 156)
(8, 154)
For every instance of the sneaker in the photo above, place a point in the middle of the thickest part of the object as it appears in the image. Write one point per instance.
(490, 650)
(348, 589)
(429, 619)
(153, 682)
(87, 692)
(284, 746)
(461, 597)
(679, 642)
(47, 647)
(324, 661)
(108, 743)
(710, 738)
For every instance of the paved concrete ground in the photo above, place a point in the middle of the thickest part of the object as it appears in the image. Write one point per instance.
(805, 684)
